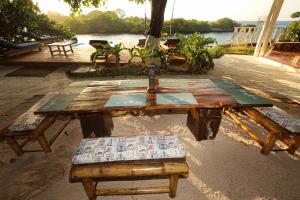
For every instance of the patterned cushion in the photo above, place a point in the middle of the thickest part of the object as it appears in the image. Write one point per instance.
(128, 148)
(282, 118)
(29, 121)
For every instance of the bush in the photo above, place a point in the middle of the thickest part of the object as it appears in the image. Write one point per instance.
(217, 51)
(292, 33)
(196, 48)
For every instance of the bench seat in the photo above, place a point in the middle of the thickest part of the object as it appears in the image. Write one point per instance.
(30, 126)
(29, 121)
(280, 124)
(128, 148)
(281, 118)
(128, 157)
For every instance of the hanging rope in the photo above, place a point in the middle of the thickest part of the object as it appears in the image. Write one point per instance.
(170, 33)
(145, 10)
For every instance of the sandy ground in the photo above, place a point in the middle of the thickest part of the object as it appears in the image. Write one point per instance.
(229, 167)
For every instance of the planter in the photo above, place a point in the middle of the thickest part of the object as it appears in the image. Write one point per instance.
(287, 46)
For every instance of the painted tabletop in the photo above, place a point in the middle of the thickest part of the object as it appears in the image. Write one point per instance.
(124, 95)
(240, 94)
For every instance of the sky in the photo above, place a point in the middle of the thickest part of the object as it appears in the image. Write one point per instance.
(208, 10)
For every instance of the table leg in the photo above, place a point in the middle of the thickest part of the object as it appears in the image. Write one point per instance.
(99, 124)
(50, 50)
(64, 50)
(204, 123)
(71, 48)
(59, 49)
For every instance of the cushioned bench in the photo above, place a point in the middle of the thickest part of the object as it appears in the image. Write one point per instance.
(32, 127)
(280, 125)
(128, 157)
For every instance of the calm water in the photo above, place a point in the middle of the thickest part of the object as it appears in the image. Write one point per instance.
(130, 40)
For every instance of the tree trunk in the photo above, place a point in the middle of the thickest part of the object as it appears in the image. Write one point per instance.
(156, 23)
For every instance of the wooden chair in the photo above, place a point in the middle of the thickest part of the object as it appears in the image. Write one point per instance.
(128, 157)
(30, 127)
(281, 126)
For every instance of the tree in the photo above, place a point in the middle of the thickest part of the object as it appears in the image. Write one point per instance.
(295, 15)
(224, 23)
(156, 22)
(19, 15)
(120, 12)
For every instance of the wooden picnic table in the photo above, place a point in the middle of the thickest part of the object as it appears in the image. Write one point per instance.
(202, 99)
(62, 45)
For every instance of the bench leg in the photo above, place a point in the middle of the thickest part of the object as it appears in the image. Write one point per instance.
(295, 146)
(269, 143)
(89, 188)
(43, 142)
(12, 142)
(173, 185)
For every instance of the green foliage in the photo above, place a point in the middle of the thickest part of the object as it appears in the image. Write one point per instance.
(187, 26)
(292, 33)
(241, 50)
(76, 5)
(162, 57)
(224, 23)
(43, 26)
(196, 48)
(133, 53)
(217, 51)
(17, 15)
(295, 15)
(144, 54)
(115, 22)
(249, 25)
(114, 50)
(96, 54)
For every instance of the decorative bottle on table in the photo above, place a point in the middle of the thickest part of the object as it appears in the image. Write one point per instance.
(153, 81)
(153, 84)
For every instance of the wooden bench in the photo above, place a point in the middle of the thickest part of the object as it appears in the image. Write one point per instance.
(30, 127)
(128, 157)
(281, 126)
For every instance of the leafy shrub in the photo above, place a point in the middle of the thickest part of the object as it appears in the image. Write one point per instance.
(292, 33)
(144, 53)
(114, 50)
(132, 53)
(217, 51)
(96, 54)
(196, 48)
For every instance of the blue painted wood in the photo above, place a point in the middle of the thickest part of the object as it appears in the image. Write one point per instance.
(58, 103)
(240, 94)
(126, 100)
(175, 99)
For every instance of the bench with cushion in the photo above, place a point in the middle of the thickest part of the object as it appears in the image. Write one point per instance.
(32, 127)
(8, 48)
(128, 157)
(281, 126)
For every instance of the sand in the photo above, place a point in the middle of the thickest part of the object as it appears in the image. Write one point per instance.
(229, 167)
